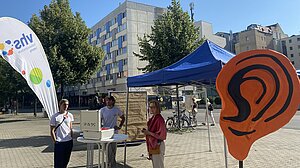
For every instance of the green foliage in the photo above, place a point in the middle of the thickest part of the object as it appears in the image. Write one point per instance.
(64, 38)
(11, 83)
(173, 37)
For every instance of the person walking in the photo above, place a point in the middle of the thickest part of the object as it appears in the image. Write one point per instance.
(109, 116)
(210, 113)
(61, 134)
(194, 111)
(156, 133)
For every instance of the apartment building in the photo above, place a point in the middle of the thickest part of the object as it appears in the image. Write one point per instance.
(291, 48)
(231, 39)
(259, 37)
(206, 31)
(117, 34)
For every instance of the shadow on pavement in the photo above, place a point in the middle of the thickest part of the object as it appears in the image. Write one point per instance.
(78, 146)
(36, 141)
(10, 121)
(96, 166)
(182, 154)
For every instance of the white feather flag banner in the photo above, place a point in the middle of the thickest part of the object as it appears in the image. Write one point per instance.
(22, 49)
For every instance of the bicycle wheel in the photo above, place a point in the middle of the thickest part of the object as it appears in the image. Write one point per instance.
(185, 123)
(170, 124)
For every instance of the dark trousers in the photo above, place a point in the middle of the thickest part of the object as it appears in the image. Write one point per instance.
(112, 149)
(62, 153)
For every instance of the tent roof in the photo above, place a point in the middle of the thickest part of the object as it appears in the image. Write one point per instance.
(200, 66)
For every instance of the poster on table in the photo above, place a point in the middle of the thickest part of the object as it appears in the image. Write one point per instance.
(21, 48)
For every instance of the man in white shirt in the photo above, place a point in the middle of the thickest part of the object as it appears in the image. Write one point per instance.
(61, 134)
(109, 116)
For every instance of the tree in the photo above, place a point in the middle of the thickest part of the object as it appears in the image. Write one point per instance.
(12, 83)
(64, 38)
(173, 36)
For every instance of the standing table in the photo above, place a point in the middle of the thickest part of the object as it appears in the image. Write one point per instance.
(102, 148)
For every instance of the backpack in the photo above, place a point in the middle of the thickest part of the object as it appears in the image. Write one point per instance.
(210, 107)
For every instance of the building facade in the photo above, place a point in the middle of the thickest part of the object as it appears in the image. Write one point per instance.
(231, 39)
(290, 47)
(117, 34)
(259, 37)
(206, 32)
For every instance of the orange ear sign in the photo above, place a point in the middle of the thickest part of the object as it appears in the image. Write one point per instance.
(260, 94)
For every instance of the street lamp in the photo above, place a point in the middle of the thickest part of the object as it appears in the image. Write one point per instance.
(192, 8)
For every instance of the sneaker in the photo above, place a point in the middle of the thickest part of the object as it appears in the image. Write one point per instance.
(212, 124)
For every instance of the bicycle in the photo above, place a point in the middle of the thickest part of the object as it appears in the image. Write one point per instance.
(192, 118)
(172, 122)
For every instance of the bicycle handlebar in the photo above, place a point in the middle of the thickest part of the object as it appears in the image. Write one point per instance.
(182, 111)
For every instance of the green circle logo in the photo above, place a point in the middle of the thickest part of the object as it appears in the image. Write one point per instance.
(36, 76)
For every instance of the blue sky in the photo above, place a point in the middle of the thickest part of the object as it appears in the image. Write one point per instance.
(224, 15)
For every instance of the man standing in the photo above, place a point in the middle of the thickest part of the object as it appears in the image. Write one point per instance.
(109, 116)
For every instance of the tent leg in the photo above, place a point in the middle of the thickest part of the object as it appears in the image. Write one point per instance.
(208, 127)
(126, 122)
(178, 111)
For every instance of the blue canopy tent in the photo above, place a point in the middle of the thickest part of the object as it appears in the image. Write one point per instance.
(199, 67)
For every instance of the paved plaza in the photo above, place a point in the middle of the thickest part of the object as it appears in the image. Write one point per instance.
(25, 142)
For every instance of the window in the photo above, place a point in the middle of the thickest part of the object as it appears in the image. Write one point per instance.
(298, 46)
(298, 39)
(122, 27)
(113, 65)
(124, 50)
(115, 53)
(293, 62)
(290, 40)
(113, 21)
(102, 28)
(299, 54)
(108, 35)
(125, 62)
(108, 55)
(292, 55)
(124, 38)
(291, 48)
(247, 38)
(114, 42)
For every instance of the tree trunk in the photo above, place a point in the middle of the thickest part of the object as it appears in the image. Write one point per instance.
(35, 107)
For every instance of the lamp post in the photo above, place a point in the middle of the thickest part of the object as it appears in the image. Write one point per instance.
(192, 8)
